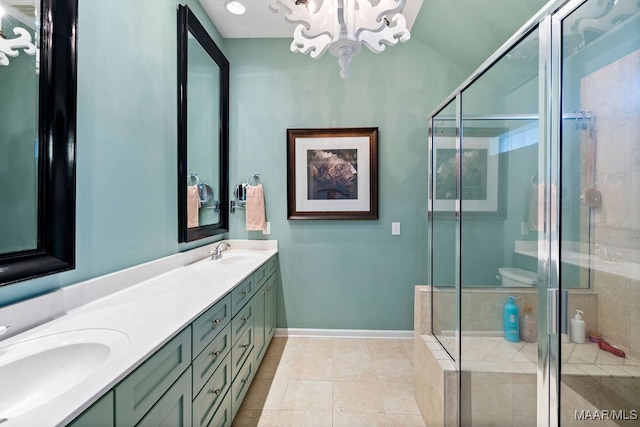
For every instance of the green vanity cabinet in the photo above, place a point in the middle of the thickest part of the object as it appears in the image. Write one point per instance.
(100, 414)
(200, 377)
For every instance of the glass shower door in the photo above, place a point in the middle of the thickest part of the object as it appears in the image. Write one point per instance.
(599, 211)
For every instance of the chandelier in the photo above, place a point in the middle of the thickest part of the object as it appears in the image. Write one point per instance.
(343, 26)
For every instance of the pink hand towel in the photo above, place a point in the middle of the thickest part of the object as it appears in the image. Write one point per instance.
(193, 206)
(255, 208)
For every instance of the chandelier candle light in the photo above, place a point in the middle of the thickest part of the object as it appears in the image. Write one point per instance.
(343, 26)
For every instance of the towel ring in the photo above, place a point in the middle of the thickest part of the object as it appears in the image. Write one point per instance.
(193, 176)
(256, 177)
(534, 179)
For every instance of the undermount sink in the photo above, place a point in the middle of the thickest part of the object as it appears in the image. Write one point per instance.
(38, 370)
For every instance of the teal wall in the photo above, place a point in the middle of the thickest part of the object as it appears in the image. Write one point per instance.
(335, 274)
(340, 274)
(126, 144)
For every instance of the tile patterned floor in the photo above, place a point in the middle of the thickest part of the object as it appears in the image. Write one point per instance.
(333, 382)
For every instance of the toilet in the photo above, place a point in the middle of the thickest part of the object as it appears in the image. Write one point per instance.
(517, 278)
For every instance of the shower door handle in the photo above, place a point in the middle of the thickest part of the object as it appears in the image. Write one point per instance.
(552, 307)
(558, 313)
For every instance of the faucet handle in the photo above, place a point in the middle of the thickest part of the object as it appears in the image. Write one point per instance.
(3, 329)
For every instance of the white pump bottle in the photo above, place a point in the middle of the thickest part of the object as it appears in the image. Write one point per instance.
(577, 328)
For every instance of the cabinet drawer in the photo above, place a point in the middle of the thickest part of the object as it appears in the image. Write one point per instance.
(241, 384)
(242, 293)
(242, 321)
(210, 323)
(260, 275)
(241, 349)
(222, 416)
(208, 361)
(271, 264)
(174, 408)
(137, 393)
(206, 403)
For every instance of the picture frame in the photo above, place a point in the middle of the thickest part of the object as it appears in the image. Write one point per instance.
(480, 166)
(332, 174)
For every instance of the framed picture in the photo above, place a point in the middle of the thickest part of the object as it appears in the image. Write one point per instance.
(480, 170)
(332, 173)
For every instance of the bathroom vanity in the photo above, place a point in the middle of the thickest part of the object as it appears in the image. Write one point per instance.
(188, 343)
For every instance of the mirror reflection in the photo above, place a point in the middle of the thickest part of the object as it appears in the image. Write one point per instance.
(203, 112)
(18, 126)
(203, 139)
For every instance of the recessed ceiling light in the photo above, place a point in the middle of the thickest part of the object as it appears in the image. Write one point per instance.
(234, 7)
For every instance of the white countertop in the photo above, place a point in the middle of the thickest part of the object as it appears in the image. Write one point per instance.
(150, 313)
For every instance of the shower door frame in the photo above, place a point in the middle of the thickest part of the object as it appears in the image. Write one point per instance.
(549, 23)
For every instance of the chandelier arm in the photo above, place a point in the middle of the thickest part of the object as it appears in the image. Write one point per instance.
(372, 17)
(315, 23)
(390, 35)
(315, 47)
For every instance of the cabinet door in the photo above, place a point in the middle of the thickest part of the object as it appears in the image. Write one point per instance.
(137, 393)
(174, 407)
(270, 308)
(98, 415)
(259, 331)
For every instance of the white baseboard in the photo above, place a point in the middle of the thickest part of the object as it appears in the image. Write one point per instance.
(342, 333)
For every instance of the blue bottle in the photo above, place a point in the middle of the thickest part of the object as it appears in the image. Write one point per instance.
(511, 321)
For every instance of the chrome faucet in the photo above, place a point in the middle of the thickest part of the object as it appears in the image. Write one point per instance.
(217, 252)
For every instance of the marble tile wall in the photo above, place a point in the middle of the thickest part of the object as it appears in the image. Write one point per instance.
(612, 94)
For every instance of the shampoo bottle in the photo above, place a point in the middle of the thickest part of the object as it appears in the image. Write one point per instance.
(528, 327)
(511, 321)
(577, 328)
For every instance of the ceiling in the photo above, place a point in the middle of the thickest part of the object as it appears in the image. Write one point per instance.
(464, 31)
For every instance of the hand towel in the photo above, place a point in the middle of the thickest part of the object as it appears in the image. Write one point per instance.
(256, 219)
(193, 206)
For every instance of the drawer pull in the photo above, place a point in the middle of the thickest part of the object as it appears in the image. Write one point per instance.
(245, 293)
(216, 321)
(216, 391)
(246, 380)
(245, 345)
(215, 353)
(244, 319)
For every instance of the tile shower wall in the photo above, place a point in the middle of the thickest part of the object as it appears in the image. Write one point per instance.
(612, 94)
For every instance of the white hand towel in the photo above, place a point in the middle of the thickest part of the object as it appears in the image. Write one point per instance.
(256, 218)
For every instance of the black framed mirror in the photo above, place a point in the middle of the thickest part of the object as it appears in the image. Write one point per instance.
(37, 221)
(203, 132)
